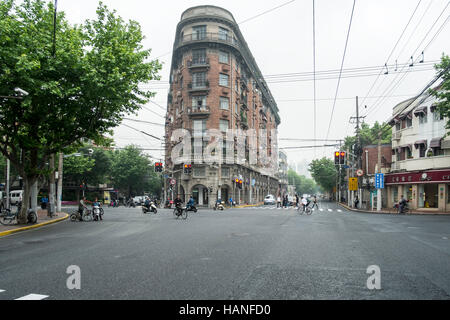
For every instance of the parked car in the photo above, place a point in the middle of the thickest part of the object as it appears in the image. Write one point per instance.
(16, 196)
(139, 199)
(270, 199)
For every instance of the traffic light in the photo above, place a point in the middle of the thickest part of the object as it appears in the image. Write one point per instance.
(336, 157)
(342, 158)
(158, 167)
(187, 168)
(239, 183)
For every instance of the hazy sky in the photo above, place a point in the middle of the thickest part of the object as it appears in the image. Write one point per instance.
(281, 42)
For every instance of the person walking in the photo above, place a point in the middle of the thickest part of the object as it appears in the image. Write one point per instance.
(278, 201)
(315, 203)
(296, 200)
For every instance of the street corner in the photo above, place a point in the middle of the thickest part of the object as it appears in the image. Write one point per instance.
(42, 221)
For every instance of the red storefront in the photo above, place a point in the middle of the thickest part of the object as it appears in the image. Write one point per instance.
(424, 189)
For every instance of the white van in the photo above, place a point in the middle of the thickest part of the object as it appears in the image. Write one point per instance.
(16, 196)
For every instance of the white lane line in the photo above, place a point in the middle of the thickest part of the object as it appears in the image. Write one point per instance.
(1, 290)
(33, 296)
(320, 209)
(329, 210)
(339, 210)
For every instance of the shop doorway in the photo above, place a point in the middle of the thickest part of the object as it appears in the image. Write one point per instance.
(428, 196)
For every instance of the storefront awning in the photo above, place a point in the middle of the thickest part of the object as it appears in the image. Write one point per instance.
(419, 142)
(420, 110)
(435, 143)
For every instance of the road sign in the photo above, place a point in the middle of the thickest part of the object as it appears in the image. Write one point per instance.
(379, 181)
(353, 184)
(359, 172)
(173, 181)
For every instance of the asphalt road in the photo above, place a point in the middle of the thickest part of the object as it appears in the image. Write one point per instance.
(249, 253)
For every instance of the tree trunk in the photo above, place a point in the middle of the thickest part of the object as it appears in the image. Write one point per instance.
(27, 183)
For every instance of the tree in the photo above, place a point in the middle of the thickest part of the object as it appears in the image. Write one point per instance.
(132, 172)
(324, 173)
(442, 92)
(302, 184)
(368, 136)
(80, 91)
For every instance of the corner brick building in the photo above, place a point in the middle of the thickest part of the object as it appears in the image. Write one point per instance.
(215, 83)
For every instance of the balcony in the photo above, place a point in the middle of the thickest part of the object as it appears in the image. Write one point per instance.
(426, 163)
(397, 135)
(199, 86)
(198, 111)
(207, 37)
(198, 63)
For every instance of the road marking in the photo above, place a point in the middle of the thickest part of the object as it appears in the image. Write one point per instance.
(2, 290)
(32, 296)
(445, 238)
(329, 210)
(339, 210)
(320, 209)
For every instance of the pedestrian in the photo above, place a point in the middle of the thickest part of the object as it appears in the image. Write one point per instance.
(357, 201)
(296, 200)
(315, 203)
(286, 201)
(401, 204)
(231, 202)
(278, 201)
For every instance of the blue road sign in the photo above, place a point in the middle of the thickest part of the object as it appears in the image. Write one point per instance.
(379, 181)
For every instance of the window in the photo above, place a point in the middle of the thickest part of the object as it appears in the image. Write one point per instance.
(223, 80)
(223, 33)
(199, 171)
(408, 122)
(223, 57)
(199, 126)
(437, 116)
(423, 118)
(397, 126)
(198, 102)
(223, 125)
(408, 153)
(199, 33)
(199, 56)
(438, 152)
(422, 151)
(225, 172)
(199, 80)
(224, 103)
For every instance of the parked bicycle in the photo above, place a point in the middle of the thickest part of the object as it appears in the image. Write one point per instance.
(7, 216)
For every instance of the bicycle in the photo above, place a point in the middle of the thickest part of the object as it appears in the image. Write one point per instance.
(7, 216)
(307, 209)
(180, 211)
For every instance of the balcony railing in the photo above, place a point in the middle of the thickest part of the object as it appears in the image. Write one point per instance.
(198, 86)
(207, 36)
(199, 110)
(198, 62)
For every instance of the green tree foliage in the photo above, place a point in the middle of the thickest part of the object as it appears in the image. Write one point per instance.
(324, 173)
(302, 184)
(369, 135)
(81, 91)
(77, 169)
(442, 93)
(133, 173)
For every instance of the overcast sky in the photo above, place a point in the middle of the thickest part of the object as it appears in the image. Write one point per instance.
(282, 42)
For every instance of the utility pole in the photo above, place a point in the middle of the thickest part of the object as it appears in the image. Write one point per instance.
(8, 172)
(60, 182)
(51, 199)
(358, 146)
(379, 171)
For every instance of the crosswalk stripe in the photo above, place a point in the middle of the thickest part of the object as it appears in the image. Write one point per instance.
(2, 290)
(320, 209)
(33, 296)
(330, 210)
(339, 210)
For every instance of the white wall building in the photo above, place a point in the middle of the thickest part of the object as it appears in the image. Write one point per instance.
(420, 156)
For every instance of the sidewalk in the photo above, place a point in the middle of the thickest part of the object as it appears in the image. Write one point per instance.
(394, 211)
(43, 220)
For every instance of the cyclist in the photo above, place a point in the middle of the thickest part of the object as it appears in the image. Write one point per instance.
(178, 203)
(304, 203)
(190, 202)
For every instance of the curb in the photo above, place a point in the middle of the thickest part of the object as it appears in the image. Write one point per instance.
(5, 233)
(392, 213)
(247, 205)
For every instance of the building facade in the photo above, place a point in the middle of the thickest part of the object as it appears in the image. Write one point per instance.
(420, 156)
(282, 174)
(216, 85)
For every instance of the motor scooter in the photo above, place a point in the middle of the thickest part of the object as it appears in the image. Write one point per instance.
(219, 205)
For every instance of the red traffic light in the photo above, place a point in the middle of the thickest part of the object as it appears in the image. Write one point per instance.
(240, 181)
(342, 154)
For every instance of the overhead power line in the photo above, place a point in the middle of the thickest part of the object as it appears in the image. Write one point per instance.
(146, 122)
(342, 65)
(265, 12)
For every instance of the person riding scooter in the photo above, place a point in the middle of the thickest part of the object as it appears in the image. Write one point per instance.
(178, 203)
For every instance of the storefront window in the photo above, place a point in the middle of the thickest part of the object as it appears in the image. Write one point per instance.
(408, 192)
(395, 194)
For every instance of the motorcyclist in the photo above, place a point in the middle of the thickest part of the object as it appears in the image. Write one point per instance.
(191, 202)
(402, 204)
(147, 203)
